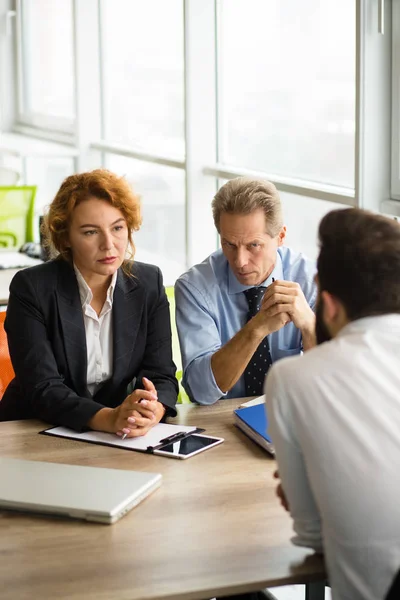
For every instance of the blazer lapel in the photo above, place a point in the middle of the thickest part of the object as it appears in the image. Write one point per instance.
(73, 327)
(128, 305)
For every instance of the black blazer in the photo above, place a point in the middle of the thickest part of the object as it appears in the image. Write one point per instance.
(47, 341)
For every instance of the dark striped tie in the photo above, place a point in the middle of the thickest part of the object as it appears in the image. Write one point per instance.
(259, 363)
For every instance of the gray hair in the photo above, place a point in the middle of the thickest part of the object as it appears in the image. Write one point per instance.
(244, 195)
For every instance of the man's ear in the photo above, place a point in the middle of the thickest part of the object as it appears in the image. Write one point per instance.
(281, 236)
(332, 308)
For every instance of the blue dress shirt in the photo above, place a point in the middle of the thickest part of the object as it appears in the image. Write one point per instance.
(211, 309)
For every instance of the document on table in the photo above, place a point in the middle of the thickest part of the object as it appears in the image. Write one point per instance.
(253, 401)
(145, 443)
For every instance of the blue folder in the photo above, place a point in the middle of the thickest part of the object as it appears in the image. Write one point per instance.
(253, 421)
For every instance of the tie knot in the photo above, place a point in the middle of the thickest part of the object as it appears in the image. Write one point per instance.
(254, 296)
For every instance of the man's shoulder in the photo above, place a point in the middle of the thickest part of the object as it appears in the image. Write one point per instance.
(211, 271)
(302, 370)
(296, 263)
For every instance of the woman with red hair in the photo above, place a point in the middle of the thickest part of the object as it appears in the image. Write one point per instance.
(89, 331)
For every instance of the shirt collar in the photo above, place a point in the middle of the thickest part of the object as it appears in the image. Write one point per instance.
(389, 321)
(85, 292)
(235, 287)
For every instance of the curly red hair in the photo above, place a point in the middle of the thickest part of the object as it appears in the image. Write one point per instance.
(101, 184)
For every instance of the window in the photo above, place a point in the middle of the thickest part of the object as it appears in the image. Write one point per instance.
(45, 43)
(142, 93)
(286, 88)
(161, 238)
(179, 96)
(142, 74)
(395, 183)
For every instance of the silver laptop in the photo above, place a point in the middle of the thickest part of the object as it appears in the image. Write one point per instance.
(90, 493)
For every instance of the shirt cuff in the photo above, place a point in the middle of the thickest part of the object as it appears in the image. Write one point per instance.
(200, 381)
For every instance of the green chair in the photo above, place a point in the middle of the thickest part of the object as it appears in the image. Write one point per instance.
(183, 398)
(17, 211)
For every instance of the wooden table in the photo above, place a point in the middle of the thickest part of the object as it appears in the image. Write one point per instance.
(214, 527)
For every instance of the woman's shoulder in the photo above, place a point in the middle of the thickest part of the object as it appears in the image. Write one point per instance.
(44, 273)
(139, 269)
(146, 276)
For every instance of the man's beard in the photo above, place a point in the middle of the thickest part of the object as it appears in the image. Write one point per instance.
(321, 331)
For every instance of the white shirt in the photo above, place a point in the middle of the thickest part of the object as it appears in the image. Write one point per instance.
(99, 334)
(335, 422)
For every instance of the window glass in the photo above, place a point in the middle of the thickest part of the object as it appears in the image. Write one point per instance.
(286, 84)
(142, 74)
(47, 58)
(161, 239)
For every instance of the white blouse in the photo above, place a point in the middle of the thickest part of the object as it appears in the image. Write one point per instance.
(99, 334)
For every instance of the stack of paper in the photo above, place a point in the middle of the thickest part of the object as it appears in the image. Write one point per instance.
(253, 421)
(17, 260)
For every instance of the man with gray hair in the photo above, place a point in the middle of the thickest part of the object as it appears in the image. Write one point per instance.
(248, 304)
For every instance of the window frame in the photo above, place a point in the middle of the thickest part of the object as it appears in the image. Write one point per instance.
(286, 183)
(377, 152)
(41, 124)
(395, 163)
(373, 89)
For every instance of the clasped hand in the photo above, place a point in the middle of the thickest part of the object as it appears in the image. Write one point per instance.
(139, 412)
(284, 301)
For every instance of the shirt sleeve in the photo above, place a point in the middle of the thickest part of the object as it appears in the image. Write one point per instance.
(199, 339)
(310, 287)
(291, 463)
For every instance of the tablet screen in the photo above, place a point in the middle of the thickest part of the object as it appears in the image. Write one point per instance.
(191, 444)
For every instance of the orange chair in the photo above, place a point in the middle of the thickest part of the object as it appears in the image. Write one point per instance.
(6, 369)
